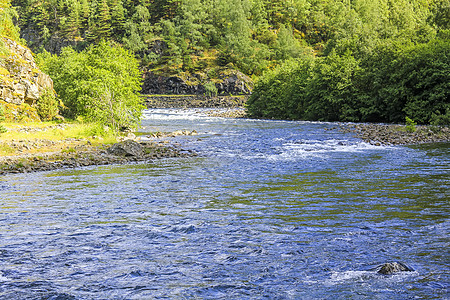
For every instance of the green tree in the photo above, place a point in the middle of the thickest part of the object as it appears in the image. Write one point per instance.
(104, 21)
(2, 118)
(138, 30)
(286, 45)
(100, 83)
(330, 94)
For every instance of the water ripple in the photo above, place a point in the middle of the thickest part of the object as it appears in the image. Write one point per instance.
(256, 216)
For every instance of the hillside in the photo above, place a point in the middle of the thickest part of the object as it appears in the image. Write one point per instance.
(23, 86)
(224, 46)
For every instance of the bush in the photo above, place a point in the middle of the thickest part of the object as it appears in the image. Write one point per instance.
(100, 84)
(386, 86)
(2, 118)
(439, 119)
(47, 106)
(2, 113)
(410, 125)
(210, 89)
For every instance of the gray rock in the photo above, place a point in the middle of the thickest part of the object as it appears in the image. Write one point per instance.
(126, 148)
(32, 92)
(230, 84)
(393, 267)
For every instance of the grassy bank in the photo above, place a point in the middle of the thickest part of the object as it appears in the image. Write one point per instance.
(50, 146)
(42, 137)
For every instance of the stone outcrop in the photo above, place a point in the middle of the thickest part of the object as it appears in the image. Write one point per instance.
(194, 101)
(126, 148)
(21, 81)
(393, 267)
(230, 83)
(52, 44)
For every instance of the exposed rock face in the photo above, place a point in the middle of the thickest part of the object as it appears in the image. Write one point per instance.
(393, 267)
(52, 44)
(20, 79)
(192, 101)
(126, 148)
(235, 83)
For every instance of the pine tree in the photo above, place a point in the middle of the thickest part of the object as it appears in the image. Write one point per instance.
(92, 31)
(104, 21)
(117, 18)
(84, 12)
(72, 24)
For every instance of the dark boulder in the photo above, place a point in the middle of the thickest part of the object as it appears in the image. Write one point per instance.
(393, 267)
(126, 148)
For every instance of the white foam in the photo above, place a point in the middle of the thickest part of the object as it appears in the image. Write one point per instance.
(172, 114)
(366, 276)
(338, 277)
(3, 278)
(316, 148)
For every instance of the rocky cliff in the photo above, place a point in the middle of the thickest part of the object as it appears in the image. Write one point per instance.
(231, 82)
(21, 81)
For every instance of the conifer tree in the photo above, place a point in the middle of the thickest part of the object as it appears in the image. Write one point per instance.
(104, 21)
(117, 17)
(84, 12)
(92, 28)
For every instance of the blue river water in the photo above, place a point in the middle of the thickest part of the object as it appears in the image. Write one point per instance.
(267, 210)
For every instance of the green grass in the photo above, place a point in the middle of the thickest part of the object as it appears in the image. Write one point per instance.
(89, 131)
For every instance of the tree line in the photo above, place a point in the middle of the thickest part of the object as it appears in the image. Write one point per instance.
(252, 35)
(384, 61)
(350, 60)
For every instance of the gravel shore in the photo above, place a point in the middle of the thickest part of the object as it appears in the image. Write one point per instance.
(388, 134)
(86, 155)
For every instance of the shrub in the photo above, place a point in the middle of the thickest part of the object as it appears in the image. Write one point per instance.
(2, 114)
(385, 86)
(2, 118)
(439, 119)
(100, 84)
(210, 89)
(47, 106)
(410, 125)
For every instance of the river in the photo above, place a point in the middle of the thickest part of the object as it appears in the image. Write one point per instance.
(267, 210)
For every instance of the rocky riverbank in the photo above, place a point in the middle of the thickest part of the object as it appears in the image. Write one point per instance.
(84, 154)
(388, 134)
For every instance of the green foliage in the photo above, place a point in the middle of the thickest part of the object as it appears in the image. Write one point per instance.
(359, 60)
(3, 129)
(330, 93)
(281, 93)
(393, 82)
(410, 125)
(441, 119)
(250, 34)
(47, 106)
(210, 89)
(7, 27)
(2, 113)
(2, 118)
(101, 84)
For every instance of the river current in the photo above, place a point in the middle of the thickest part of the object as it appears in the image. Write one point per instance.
(267, 210)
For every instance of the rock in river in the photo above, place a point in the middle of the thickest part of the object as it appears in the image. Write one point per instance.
(393, 267)
(127, 148)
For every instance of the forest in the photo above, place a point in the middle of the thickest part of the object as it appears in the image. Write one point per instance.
(328, 60)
